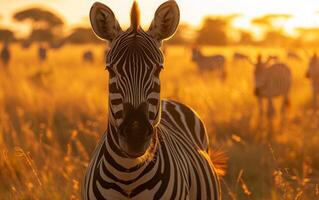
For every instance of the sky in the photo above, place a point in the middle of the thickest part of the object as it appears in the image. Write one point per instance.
(75, 12)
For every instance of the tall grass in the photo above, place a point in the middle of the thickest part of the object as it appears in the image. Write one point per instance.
(52, 115)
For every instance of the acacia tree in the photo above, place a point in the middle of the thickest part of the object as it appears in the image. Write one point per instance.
(182, 36)
(81, 35)
(6, 35)
(214, 30)
(307, 36)
(272, 26)
(45, 25)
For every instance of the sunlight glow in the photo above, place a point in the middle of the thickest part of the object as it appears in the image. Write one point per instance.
(304, 13)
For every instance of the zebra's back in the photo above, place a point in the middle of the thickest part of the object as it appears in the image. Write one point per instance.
(278, 80)
(215, 62)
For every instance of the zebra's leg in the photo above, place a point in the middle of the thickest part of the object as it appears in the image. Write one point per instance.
(315, 100)
(270, 115)
(223, 74)
(284, 106)
(260, 111)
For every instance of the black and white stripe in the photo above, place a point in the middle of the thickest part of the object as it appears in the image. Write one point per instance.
(134, 62)
(179, 169)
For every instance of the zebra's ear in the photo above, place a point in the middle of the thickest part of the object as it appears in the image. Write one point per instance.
(103, 22)
(165, 21)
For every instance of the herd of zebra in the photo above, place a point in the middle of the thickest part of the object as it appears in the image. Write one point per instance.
(42, 53)
(154, 148)
(272, 78)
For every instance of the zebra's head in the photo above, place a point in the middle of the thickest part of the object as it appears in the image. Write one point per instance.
(134, 62)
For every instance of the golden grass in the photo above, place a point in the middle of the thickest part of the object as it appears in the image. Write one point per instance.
(52, 115)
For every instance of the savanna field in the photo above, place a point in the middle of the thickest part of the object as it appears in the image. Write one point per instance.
(52, 115)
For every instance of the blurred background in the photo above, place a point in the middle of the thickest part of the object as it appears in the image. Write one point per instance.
(53, 92)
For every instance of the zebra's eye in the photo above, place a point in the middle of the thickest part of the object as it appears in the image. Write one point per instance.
(158, 69)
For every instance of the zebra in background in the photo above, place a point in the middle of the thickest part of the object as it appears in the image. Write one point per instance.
(88, 56)
(293, 55)
(5, 54)
(313, 75)
(272, 81)
(239, 57)
(213, 62)
(153, 148)
(42, 53)
(26, 44)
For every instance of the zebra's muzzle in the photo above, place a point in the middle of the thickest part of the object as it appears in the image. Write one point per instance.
(135, 133)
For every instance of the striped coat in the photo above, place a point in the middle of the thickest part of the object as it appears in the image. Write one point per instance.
(179, 169)
(212, 62)
(272, 81)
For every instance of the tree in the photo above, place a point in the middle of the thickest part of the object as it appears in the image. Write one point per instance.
(182, 35)
(271, 21)
(272, 26)
(81, 36)
(41, 35)
(277, 37)
(245, 37)
(40, 17)
(308, 36)
(46, 25)
(214, 30)
(6, 35)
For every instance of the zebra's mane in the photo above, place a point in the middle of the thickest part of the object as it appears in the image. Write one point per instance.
(135, 17)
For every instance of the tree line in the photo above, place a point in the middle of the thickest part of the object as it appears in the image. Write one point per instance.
(47, 26)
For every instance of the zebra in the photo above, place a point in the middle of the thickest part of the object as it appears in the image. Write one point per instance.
(240, 57)
(292, 55)
(213, 62)
(313, 74)
(153, 148)
(42, 53)
(5, 54)
(272, 81)
(57, 44)
(26, 44)
(88, 56)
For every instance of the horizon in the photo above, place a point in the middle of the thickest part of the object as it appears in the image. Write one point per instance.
(191, 13)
